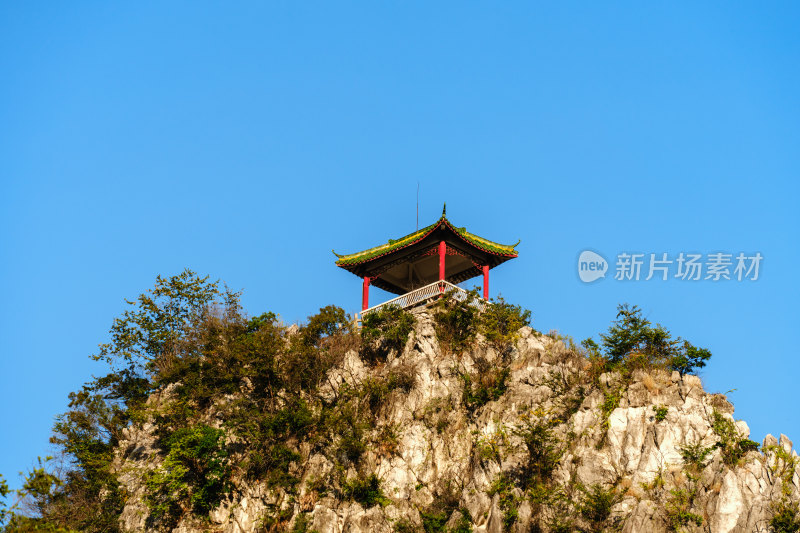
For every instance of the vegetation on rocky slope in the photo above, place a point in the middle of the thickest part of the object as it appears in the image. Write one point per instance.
(231, 402)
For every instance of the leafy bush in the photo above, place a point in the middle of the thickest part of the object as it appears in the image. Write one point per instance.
(455, 321)
(596, 504)
(503, 486)
(47, 502)
(435, 518)
(492, 445)
(350, 428)
(568, 391)
(611, 401)
(366, 491)
(677, 508)
(404, 526)
(4, 510)
(591, 348)
(689, 358)
(732, 444)
(195, 473)
(784, 465)
(464, 524)
(543, 447)
(785, 517)
(661, 412)
(490, 386)
(264, 433)
(500, 322)
(311, 354)
(694, 455)
(401, 377)
(374, 392)
(328, 322)
(433, 521)
(435, 414)
(384, 330)
(302, 523)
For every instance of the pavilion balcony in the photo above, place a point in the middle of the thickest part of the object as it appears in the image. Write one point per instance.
(424, 295)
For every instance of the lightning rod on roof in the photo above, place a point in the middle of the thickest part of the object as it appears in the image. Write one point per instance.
(417, 205)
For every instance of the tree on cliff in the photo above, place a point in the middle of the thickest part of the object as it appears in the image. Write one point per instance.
(634, 341)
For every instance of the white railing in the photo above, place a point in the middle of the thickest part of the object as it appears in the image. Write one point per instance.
(425, 294)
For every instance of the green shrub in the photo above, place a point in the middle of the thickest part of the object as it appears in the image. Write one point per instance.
(440, 511)
(374, 392)
(351, 442)
(404, 526)
(189, 334)
(568, 392)
(561, 524)
(661, 412)
(329, 321)
(433, 521)
(264, 434)
(688, 358)
(455, 322)
(632, 333)
(785, 463)
(435, 414)
(317, 347)
(590, 348)
(503, 486)
(677, 509)
(489, 386)
(464, 524)
(596, 504)
(302, 524)
(500, 322)
(785, 517)
(611, 401)
(274, 518)
(694, 455)
(561, 519)
(5, 512)
(384, 330)
(491, 446)
(195, 473)
(366, 491)
(732, 444)
(544, 448)
(402, 377)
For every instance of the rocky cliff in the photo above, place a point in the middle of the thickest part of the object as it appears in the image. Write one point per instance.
(517, 438)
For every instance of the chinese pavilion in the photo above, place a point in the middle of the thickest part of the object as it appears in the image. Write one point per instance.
(426, 262)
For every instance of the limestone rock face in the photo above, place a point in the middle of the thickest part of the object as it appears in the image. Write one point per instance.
(626, 436)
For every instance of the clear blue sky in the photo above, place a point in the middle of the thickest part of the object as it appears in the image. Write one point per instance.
(246, 142)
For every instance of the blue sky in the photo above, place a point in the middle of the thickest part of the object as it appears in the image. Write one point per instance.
(246, 142)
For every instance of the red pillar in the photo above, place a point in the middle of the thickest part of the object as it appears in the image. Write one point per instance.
(365, 294)
(485, 282)
(442, 253)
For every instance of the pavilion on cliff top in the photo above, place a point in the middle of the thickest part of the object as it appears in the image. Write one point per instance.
(425, 263)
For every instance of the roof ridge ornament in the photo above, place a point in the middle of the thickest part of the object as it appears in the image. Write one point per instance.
(444, 210)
